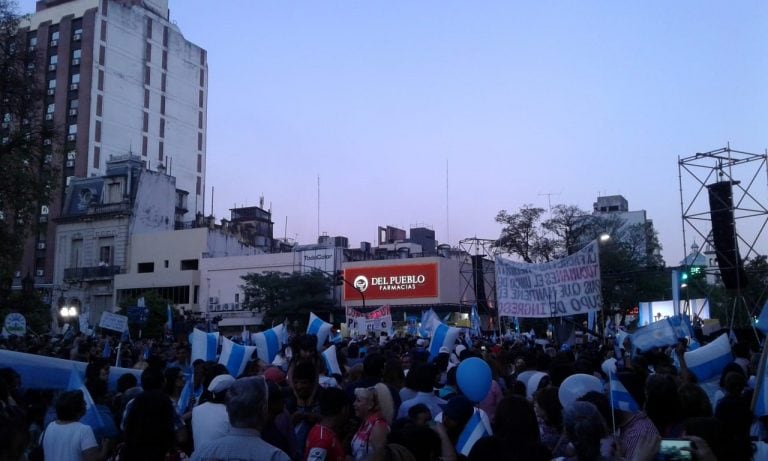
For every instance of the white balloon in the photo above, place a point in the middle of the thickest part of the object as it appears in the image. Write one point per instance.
(524, 376)
(576, 386)
(533, 384)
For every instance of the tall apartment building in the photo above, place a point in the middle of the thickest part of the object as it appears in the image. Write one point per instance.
(120, 77)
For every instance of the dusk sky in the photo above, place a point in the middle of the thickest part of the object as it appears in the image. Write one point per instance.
(442, 113)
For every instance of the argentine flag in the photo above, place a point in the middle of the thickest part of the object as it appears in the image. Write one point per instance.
(331, 363)
(92, 416)
(268, 343)
(235, 357)
(621, 399)
(319, 328)
(187, 394)
(442, 336)
(708, 361)
(204, 345)
(760, 398)
(475, 430)
(429, 320)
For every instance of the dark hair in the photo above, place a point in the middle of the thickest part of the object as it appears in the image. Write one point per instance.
(210, 371)
(332, 401)
(97, 389)
(171, 374)
(601, 402)
(373, 365)
(585, 428)
(422, 442)
(152, 378)
(423, 377)
(694, 401)
(662, 404)
(70, 406)
(418, 409)
(149, 427)
(548, 401)
(126, 381)
(515, 421)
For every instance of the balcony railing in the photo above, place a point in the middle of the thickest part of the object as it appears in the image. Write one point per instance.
(75, 274)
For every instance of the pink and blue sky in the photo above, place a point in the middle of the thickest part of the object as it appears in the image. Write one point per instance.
(515, 100)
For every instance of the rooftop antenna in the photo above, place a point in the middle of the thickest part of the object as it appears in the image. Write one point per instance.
(549, 199)
(213, 189)
(318, 205)
(447, 208)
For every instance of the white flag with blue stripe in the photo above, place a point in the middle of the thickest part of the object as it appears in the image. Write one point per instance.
(235, 356)
(331, 362)
(319, 328)
(663, 333)
(204, 345)
(475, 429)
(268, 343)
(442, 336)
(621, 399)
(760, 397)
(92, 416)
(474, 319)
(187, 394)
(429, 320)
(709, 360)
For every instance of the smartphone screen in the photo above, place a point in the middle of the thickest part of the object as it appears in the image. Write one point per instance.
(675, 450)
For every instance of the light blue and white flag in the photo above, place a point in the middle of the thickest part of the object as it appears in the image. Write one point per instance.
(442, 336)
(336, 338)
(474, 321)
(204, 345)
(709, 360)
(331, 362)
(92, 416)
(268, 343)
(760, 397)
(762, 321)
(187, 394)
(621, 399)
(665, 332)
(235, 356)
(169, 321)
(429, 320)
(475, 429)
(319, 328)
(107, 351)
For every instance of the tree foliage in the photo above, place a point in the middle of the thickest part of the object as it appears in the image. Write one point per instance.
(28, 165)
(283, 295)
(158, 315)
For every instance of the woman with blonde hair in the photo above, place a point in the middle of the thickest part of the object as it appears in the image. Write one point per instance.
(375, 407)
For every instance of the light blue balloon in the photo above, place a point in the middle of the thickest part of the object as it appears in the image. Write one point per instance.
(474, 378)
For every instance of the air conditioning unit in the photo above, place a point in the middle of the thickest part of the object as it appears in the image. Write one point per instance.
(76, 61)
(72, 111)
(39, 272)
(213, 300)
(54, 43)
(70, 164)
(51, 91)
(47, 142)
(71, 137)
(17, 274)
(71, 155)
(77, 37)
(41, 245)
(74, 86)
(51, 66)
(49, 116)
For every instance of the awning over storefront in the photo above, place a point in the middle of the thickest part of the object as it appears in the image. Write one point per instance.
(240, 321)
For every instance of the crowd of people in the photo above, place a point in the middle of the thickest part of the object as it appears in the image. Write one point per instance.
(392, 401)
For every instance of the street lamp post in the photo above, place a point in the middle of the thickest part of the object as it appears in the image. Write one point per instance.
(69, 313)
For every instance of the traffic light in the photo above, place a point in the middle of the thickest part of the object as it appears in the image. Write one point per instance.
(696, 272)
(683, 278)
(338, 278)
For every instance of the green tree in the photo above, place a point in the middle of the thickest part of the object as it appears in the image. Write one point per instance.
(569, 224)
(26, 179)
(281, 295)
(524, 236)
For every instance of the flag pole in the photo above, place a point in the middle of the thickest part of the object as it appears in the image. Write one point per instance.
(611, 376)
(760, 382)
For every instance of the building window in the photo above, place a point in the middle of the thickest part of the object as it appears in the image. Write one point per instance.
(165, 60)
(199, 163)
(200, 120)
(162, 127)
(148, 52)
(199, 185)
(103, 31)
(147, 74)
(96, 156)
(101, 80)
(166, 264)
(189, 264)
(146, 98)
(50, 108)
(76, 253)
(52, 84)
(202, 77)
(162, 82)
(102, 54)
(149, 27)
(75, 79)
(52, 61)
(97, 135)
(199, 141)
(160, 150)
(106, 251)
(145, 268)
(145, 123)
(162, 104)
(165, 36)
(72, 129)
(99, 104)
(115, 192)
(144, 146)
(201, 98)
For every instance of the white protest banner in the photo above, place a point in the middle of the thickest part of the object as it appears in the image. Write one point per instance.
(360, 323)
(567, 286)
(114, 322)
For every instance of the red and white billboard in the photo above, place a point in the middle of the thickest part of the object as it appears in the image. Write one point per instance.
(398, 281)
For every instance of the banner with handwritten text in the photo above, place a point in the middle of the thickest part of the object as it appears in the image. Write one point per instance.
(567, 286)
(360, 323)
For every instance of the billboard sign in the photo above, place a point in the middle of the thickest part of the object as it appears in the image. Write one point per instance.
(397, 281)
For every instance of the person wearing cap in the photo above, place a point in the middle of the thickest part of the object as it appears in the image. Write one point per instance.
(209, 419)
(246, 403)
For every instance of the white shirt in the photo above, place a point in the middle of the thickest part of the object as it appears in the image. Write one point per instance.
(209, 422)
(67, 441)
